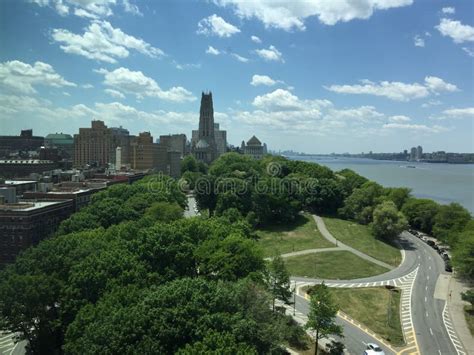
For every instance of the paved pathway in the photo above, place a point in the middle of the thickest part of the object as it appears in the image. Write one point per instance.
(309, 251)
(326, 234)
(454, 320)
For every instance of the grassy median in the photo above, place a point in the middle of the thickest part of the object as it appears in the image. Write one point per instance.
(300, 235)
(377, 308)
(342, 265)
(361, 238)
(469, 314)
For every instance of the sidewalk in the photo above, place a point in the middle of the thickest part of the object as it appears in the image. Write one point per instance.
(456, 311)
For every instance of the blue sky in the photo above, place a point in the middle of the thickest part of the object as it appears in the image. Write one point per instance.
(317, 76)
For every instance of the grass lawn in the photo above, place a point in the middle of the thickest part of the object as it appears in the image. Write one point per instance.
(375, 308)
(469, 314)
(360, 238)
(341, 265)
(300, 235)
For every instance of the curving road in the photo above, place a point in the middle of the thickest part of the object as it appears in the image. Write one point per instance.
(424, 285)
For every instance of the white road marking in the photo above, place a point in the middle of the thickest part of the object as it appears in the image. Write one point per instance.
(431, 331)
(426, 314)
(425, 299)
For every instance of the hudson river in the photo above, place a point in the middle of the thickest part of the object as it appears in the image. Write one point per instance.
(444, 183)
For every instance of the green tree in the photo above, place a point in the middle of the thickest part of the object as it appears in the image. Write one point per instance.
(388, 222)
(277, 279)
(360, 204)
(322, 314)
(165, 212)
(468, 296)
(398, 195)
(189, 163)
(463, 254)
(449, 222)
(420, 213)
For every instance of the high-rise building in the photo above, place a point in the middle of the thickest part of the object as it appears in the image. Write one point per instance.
(143, 152)
(205, 149)
(419, 153)
(413, 154)
(24, 142)
(97, 145)
(174, 143)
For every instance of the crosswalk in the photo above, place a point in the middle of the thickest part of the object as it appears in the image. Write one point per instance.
(6, 344)
(452, 335)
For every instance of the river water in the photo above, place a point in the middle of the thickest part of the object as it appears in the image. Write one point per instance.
(443, 183)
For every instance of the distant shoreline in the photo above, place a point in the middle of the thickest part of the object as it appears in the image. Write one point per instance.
(365, 157)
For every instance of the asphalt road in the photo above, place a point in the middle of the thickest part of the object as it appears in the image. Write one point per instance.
(426, 310)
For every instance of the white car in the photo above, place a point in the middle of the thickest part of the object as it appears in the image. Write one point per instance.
(373, 349)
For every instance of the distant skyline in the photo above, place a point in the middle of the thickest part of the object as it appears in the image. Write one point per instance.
(313, 76)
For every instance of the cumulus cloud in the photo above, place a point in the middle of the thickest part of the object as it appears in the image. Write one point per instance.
(115, 94)
(399, 118)
(263, 80)
(415, 128)
(456, 30)
(103, 42)
(88, 8)
(418, 41)
(212, 50)
(270, 54)
(448, 10)
(136, 83)
(469, 51)
(431, 103)
(255, 39)
(216, 25)
(291, 15)
(239, 58)
(467, 112)
(395, 90)
(22, 77)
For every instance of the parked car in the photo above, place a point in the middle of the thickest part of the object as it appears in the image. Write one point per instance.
(445, 256)
(447, 266)
(373, 349)
(430, 243)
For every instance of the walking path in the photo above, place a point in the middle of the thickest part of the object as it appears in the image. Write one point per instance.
(326, 234)
(453, 317)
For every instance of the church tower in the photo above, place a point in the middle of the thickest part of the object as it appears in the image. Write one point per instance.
(206, 148)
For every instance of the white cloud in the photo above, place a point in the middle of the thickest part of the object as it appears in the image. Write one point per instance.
(431, 103)
(456, 30)
(215, 25)
(418, 41)
(115, 94)
(239, 58)
(131, 8)
(263, 80)
(85, 14)
(399, 118)
(102, 42)
(395, 90)
(255, 39)
(467, 112)
(87, 86)
(99, 8)
(22, 77)
(290, 15)
(448, 10)
(415, 128)
(437, 85)
(270, 54)
(469, 51)
(186, 65)
(212, 50)
(136, 83)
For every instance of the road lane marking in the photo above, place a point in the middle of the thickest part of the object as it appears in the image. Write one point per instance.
(454, 340)
(431, 331)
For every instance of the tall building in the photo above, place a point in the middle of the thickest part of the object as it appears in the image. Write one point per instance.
(419, 153)
(63, 142)
(221, 139)
(205, 149)
(143, 152)
(254, 148)
(97, 145)
(413, 154)
(174, 143)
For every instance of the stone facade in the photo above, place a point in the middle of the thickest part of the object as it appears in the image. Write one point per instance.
(254, 148)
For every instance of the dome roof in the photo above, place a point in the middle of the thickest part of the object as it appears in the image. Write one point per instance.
(254, 141)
